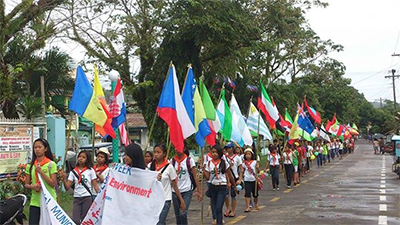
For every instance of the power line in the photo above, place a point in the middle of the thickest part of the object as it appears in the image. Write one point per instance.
(374, 74)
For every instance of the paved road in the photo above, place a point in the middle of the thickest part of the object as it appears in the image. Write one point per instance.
(360, 189)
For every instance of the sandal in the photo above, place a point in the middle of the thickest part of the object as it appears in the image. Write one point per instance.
(231, 215)
(247, 210)
(227, 213)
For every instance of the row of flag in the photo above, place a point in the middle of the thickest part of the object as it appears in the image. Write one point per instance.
(193, 112)
(90, 103)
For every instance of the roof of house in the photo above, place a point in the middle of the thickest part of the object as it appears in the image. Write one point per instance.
(135, 120)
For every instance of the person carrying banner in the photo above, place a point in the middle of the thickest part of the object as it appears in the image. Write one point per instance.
(84, 178)
(101, 167)
(134, 156)
(167, 176)
(218, 174)
(42, 163)
(236, 168)
(250, 168)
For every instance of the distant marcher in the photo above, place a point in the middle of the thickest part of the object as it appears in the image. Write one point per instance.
(274, 167)
(250, 168)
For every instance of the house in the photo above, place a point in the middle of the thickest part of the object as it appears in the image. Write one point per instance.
(137, 128)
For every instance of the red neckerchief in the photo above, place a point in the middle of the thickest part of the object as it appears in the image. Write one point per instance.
(216, 166)
(79, 172)
(287, 156)
(274, 158)
(42, 163)
(231, 158)
(159, 167)
(248, 165)
(100, 169)
(179, 162)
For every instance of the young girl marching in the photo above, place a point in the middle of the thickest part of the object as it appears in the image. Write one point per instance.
(101, 167)
(296, 178)
(42, 163)
(235, 163)
(167, 176)
(185, 167)
(274, 167)
(288, 163)
(84, 178)
(218, 174)
(250, 167)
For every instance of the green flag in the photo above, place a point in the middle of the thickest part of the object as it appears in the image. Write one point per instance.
(287, 117)
(227, 129)
(207, 102)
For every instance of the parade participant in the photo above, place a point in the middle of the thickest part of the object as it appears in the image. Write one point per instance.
(274, 167)
(296, 179)
(236, 168)
(101, 167)
(332, 151)
(319, 149)
(148, 157)
(206, 159)
(218, 174)
(288, 163)
(310, 150)
(375, 144)
(337, 146)
(381, 145)
(250, 168)
(303, 147)
(167, 176)
(42, 163)
(325, 154)
(134, 156)
(341, 151)
(84, 178)
(185, 168)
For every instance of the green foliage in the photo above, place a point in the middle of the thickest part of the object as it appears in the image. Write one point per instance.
(30, 107)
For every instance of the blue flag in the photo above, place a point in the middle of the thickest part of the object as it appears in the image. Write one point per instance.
(305, 123)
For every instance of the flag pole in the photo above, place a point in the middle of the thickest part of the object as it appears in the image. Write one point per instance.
(202, 188)
(150, 132)
(257, 150)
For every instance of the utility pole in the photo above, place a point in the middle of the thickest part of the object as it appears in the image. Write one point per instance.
(381, 103)
(394, 88)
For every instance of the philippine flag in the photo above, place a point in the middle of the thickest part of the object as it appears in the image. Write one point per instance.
(117, 106)
(172, 110)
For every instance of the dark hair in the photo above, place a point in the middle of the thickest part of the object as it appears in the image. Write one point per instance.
(164, 149)
(150, 153)
(186, 151)
(89, 162)
(220, 154)
(105, 156)
(47, 153)
(135, 152)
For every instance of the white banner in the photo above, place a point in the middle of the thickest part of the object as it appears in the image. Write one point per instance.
(130, 196)
(50, 211)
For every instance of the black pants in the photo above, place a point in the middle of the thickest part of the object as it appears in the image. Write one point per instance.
(250, 188)
(289, 174)
(274, 170)
(34, 215)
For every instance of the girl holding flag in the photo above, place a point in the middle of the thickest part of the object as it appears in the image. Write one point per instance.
(186, 170)
(101, 167)
(218, 174)
(274, 166)
(167, 176)
(42, 163)
(251, 167)
(288, 163)
(235, 163)
(84, 178)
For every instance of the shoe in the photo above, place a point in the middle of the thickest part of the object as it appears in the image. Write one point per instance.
(274, 189)
(277, 189)
(290, 187)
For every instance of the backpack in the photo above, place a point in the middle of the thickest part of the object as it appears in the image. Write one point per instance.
(193, 181)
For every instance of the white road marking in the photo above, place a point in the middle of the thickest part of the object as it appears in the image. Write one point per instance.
(383, 191)
(383, 182)
(382, 198)
(383, 186)
(382, 220)
(383, 207)
(383, 178)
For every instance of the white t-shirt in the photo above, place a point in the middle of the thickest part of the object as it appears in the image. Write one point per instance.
(221, 180)
(274, 160)
(87, 177)
(104, 175)
(249, 176)
(184, 182)
(235, 162)
(285, 158)
(319, 149)
(309, 151)
(167, 177)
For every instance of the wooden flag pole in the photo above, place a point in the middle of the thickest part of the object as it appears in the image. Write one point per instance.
(202, 187)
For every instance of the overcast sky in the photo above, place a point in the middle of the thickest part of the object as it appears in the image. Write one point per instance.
(369, 31)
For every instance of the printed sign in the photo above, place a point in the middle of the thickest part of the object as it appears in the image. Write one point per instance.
(129, 196)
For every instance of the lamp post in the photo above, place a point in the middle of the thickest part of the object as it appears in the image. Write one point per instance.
(114, 75)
